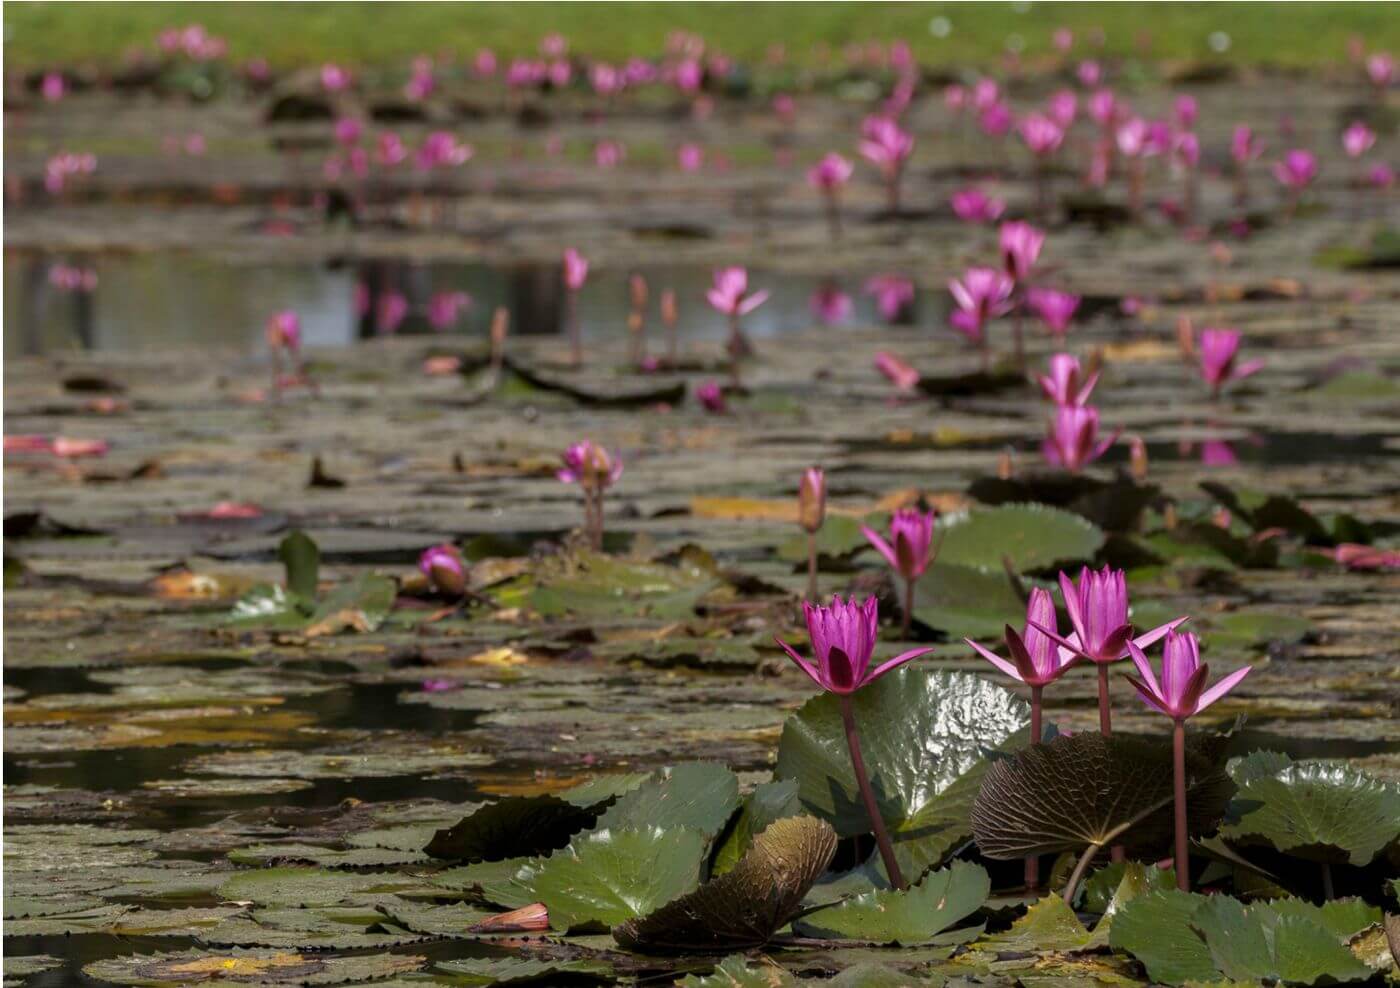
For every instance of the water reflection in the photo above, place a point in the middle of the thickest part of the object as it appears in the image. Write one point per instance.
(105, 303)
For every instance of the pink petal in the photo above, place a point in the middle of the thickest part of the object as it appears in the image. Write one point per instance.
(1221, 688)
(1144, 640)
(1148, 697)
(806, 667)
(880, 544)
(753, 302)
(996, 660)
(1070, 643)
(1247, 368)
(1144, 668)
(898, 660)
(1071, 597)
(718, 300)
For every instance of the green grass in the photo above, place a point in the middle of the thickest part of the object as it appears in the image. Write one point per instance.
(1298, 34)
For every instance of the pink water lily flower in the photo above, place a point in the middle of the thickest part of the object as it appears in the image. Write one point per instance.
(1041, 135)
(887, 146)
(843, 636)
(1089, 73)
(1297, 169)
(1358, 139)
(589, 465)
(899, 373)
(443, 566)
(1073, 441)
(975, 206)
(283, 331)
(911, 538)
(575, 269)
(1036, 659)
(711, 397)
(1185, 109)
(690, 158)
(830, 305)
(1055, 308)
(831, 172)
(1103, 107)
(72, 449)
(1380, 69)
(1098, 611)
(730, 293)
(335, 78)
(1063, 107)
(1218, 350)
(1355, 556)
(1180, 692)
(982, 294)
(1244, 147)
(444, 308)
(996, 120)
(1066, 383)
(393, 310)
(53, 87)
(1020, 248)
(892, 294)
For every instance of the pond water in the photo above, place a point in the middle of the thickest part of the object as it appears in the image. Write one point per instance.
(155, 300)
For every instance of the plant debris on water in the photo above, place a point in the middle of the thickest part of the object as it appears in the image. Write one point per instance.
(529, 518)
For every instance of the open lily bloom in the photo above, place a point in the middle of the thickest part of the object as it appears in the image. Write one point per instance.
(1036, 659)
(1181, 692)
(730, 293)
(910, 544)
(1020, 248)
(1066, 383)
(843, 640)
(1055, 308)
(982, 294)
(1073, 441)
(1098, 610)
(1219, 348)
(832, 172)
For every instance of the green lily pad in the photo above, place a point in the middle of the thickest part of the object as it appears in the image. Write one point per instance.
(745, 906)
(595, 585)
(963, 601)
(269, 605)
(362, 604)
(502, 883)
(1288, 941)
(1032, 536)
(839, 538)
(699, 796)
(922, 731)
(313, 886)
(262, 967)
(1109, 889)
(1317, 810)
(768, 803)
(1085, 789)
(913, 916)
(1156, 929)
(610, 876)
(258, 855)
(737, 972)
(1048, 926)
(525, 970)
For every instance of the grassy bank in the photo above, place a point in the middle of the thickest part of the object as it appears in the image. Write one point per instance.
(1298, 34)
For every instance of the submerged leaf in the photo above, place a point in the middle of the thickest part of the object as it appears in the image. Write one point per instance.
(745, 906)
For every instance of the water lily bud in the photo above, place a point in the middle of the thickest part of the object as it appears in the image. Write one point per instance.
(500, 328)
(1137, 452)
(637, 287)
(811, 499)
(1186, 338)
(443, 566)
(669, 313)
(1169, 518)
(635, 323)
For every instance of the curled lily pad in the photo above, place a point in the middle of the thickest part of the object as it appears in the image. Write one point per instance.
(1032, 536)
(922, 731)
(913, 916)
(768, 803)
(1317, 810)
(745, 906)
(1089, 790)
(610, 876)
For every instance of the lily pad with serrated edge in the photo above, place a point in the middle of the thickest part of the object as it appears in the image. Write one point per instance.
(745, 906)
(1289, 941)
(607, 877)
(314, 886)
(699, 796)
(964, 601)
(1318, 810)
(263, 967)
(923, 733)
(1048, 926)
(1086, 789)
(737, 971)
(508, 884)
(1156, 929)
(913, 916)
(1032, 536)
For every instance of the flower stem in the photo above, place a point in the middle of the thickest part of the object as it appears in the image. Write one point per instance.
(1080, 868)
(1116, 853)
(571, 317)
(1033, 860)
(1328, 891)
(867, 794)
(1183, 861)
(812, 566)
(908, 608)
